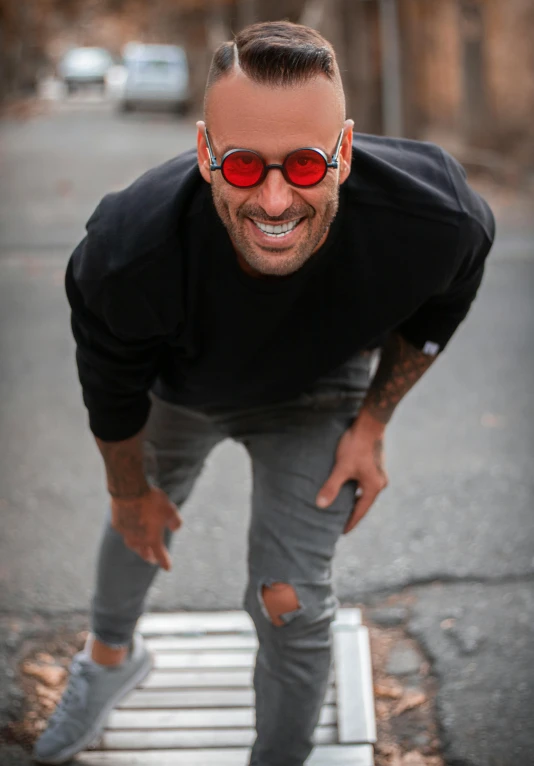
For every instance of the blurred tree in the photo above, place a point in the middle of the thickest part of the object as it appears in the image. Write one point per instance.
(392, 114)
(23, 34)
(352, 26)
(474, 107)
(458, 67)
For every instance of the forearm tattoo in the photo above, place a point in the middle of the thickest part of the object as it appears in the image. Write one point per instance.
(401, 365)
(124, 467)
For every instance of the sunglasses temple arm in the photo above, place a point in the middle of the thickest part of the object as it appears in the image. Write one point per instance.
(213, 159)
(337, 150)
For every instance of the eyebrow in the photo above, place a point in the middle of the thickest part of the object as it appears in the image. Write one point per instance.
(231, 147)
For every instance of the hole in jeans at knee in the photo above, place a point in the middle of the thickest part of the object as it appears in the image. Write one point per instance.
(279, 603)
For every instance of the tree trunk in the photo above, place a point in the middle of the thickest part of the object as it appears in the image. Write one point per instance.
(392, 122)
(475, 109)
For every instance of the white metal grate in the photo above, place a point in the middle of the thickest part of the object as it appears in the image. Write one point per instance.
(196, 707)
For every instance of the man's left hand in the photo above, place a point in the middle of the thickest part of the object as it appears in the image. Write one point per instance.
(359, 457)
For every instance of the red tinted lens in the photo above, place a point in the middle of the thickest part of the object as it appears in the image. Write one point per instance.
(305, 167)
(242, 168)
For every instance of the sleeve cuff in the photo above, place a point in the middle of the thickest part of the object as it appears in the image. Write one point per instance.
(116, 426)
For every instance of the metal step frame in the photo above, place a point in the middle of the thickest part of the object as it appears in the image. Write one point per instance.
(196, 706)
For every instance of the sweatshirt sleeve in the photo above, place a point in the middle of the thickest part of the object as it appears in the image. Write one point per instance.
(431, 327)
(116, 370)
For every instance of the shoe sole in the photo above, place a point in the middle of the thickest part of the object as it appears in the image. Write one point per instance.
(93, 734)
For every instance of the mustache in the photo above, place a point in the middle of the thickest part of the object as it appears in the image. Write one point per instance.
(290, 214)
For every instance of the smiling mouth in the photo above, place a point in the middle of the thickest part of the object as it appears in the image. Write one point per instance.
(277, 231)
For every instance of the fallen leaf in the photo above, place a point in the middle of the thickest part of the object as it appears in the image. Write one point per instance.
(448, 623)
(490, 420)
(386, 748)
(391, 691)
(44, 692)
(392, 753)
(411, 699)
(396, 758)
(413, 758)
(64, 187)
(382, 710)
(48, 704)
(51, 676)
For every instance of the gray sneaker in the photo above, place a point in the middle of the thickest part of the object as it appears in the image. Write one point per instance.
(91, 693)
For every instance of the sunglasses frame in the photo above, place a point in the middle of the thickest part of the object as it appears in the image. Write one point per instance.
(266, 168)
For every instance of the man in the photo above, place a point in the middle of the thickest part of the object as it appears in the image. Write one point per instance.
(238, 292)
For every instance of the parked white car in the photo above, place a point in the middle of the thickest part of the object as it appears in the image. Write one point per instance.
(85, 66)
(155, 75)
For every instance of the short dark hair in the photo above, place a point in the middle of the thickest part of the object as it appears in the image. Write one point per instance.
(277, 53)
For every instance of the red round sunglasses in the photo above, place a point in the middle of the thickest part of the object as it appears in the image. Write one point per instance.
(245, 168)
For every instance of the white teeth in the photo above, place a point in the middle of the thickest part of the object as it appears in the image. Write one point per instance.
(281, 230)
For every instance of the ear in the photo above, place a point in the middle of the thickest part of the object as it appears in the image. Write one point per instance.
(345, 155)
(203, 155)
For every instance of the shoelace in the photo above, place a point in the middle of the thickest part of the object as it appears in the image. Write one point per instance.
(75, 696)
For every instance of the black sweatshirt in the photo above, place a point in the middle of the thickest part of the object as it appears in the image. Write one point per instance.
(159, 301)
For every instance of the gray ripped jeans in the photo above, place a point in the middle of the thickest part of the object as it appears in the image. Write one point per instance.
(292, 449)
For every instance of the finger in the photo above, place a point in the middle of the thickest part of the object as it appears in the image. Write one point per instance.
(138, 549)
(360, 509)
(175, 520)
(162, 555)
(143, 551)
(330, 489)
(146, 552)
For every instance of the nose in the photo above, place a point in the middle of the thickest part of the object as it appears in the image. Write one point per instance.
(275, 195)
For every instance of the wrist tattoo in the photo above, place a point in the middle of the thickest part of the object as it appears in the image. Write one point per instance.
(124, 468)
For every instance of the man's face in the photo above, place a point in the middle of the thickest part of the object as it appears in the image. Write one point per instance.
(274, 121)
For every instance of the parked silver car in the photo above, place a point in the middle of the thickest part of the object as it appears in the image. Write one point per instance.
(155, 75)
(85, 66)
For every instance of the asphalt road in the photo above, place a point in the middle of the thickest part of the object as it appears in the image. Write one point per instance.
(456, 522)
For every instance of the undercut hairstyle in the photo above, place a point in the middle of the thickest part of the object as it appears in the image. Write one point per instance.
(277, 53)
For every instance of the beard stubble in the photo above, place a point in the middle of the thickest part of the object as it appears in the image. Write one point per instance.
(286, 262)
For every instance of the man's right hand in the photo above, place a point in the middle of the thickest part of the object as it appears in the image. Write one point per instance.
(141, 522)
